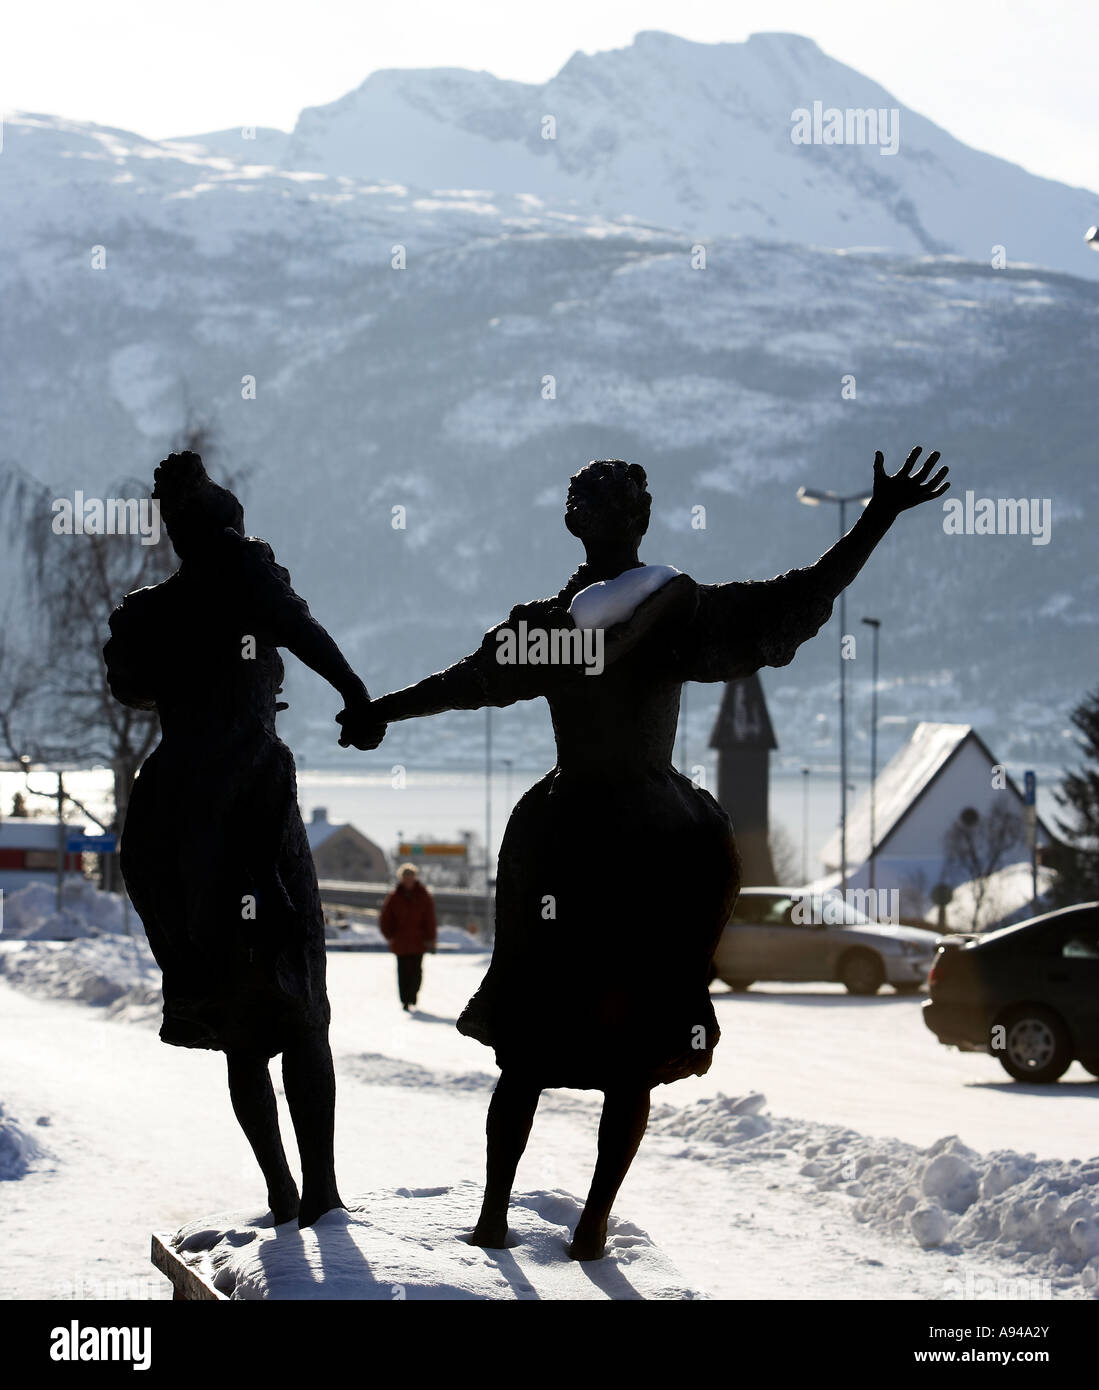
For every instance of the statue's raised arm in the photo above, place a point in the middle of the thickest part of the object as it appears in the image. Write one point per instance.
(742, 626)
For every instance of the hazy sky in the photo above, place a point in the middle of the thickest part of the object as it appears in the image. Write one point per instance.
(1011, 77)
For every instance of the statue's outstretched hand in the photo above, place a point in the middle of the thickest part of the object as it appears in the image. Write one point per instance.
(362, 727)
(907, 489)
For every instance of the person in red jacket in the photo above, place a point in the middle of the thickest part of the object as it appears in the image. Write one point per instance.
(407, 921)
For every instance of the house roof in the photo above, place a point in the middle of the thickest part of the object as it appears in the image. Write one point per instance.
(901, 783)
(743, 721)
(319, 830)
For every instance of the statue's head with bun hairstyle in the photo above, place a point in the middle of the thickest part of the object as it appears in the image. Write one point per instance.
(608, 504)
(193, 507)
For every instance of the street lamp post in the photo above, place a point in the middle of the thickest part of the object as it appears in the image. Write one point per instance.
(488, 822)
(875, 625)
(812, 497)
(804, 826)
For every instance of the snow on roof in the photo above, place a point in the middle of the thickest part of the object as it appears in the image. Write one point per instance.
(316, 833)
(912, 769)
(319, 828)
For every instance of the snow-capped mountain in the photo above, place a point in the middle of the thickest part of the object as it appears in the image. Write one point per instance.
(527, 332)
(699, 138)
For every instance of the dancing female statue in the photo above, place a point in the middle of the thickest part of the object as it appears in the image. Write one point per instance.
(214, 853)
(617, 874)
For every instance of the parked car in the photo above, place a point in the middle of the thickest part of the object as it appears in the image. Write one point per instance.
(1028, 994)
(765, 941)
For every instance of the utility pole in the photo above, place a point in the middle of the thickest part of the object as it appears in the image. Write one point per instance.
(61, 849)
(812, 497)
(488, 822)
(875, 625)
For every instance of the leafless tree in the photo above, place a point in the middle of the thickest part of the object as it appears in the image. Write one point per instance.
(784, 855)
(976, 846)
(55, 704)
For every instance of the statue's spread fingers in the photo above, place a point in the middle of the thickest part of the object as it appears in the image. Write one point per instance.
(906, 466)
(939, 476)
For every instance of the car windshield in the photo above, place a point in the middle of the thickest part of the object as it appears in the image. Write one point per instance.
(842, 914)
(1077, 922)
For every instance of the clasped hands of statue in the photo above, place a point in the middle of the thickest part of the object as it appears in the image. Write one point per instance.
(363, 725)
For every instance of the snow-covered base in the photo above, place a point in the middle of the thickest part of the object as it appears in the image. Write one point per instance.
(408, 1243)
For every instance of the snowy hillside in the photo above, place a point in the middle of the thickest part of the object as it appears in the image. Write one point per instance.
(521, 340)
(697, 137)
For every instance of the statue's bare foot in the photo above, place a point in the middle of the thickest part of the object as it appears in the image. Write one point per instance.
(588, 1243)
(284, 1205)
(490, 1235)
(313, 1207)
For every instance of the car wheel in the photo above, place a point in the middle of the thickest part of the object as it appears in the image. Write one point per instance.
(861, 972)
(739, 986)
(1036, 1046)
(1092, 1065)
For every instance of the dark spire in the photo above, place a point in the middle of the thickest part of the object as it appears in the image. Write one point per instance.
(743, 721)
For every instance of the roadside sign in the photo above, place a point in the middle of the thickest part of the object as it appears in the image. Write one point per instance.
(91, 844)
(415, 849)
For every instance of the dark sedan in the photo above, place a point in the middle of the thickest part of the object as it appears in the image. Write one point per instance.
(1028, 994)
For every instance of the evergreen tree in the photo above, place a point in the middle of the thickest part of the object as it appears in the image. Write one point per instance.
(1076, 859)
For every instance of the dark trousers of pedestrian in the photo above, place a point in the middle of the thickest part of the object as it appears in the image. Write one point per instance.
(410, 974)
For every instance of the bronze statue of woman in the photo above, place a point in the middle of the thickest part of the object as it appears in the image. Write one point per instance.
(616, 873)
(214, 853)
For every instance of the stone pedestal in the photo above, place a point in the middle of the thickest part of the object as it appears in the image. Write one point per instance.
(408, 1244)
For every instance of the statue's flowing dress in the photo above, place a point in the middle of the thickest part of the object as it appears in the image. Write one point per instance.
(214, 852)
(617, 873)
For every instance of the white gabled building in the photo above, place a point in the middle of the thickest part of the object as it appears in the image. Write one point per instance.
(942, 771)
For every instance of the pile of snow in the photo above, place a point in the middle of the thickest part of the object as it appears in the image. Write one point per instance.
(114, 971)
(458, 939)
(408, 1244)
(17, 1149)
(31, 914)
(1042, 1215)
(1005, 899)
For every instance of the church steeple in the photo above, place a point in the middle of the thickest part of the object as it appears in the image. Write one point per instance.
(743, 737)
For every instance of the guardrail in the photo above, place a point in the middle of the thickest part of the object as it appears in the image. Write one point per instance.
(453, 906)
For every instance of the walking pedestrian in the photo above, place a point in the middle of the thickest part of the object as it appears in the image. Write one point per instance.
(407, 921)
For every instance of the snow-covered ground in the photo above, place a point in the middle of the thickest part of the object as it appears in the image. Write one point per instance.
(824, 1128)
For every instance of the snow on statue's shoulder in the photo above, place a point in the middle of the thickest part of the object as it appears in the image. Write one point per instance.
(612, 601)
(408, 1244)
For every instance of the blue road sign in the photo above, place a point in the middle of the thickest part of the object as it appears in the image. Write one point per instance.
(91, 844)
(1030, 782)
